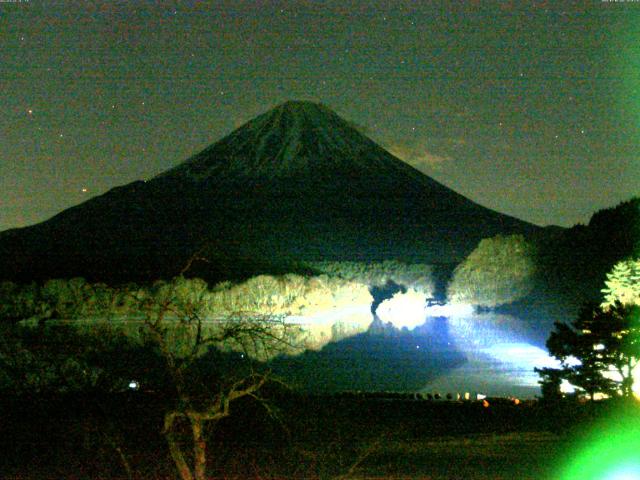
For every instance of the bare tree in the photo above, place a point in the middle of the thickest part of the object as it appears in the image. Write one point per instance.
(180, 324)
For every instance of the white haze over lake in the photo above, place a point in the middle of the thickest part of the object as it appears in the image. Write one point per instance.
(499, 360)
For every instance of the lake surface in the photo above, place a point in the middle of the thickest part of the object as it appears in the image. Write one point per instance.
(466, 351)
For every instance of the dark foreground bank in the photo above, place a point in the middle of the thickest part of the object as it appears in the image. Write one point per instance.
(293, 436)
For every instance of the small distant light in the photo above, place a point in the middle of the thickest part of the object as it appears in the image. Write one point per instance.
(84, 190)
(30, 112)
(133, 385)
(418, 347)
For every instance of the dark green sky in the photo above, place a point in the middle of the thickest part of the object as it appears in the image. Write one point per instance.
(526, 108)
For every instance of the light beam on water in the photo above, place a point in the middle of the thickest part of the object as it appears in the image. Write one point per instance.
(500, 360)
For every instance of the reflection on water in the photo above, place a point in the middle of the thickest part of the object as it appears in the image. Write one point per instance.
(381, 359)
(455, 350)
(500, 359)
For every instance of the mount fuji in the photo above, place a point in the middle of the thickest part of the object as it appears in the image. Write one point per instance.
(297, 183)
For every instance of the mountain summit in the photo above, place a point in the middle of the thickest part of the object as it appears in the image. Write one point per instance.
(296, 183)
(295, 140)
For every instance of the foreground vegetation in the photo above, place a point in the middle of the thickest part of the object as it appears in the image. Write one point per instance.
(170, 378)
(120, 436)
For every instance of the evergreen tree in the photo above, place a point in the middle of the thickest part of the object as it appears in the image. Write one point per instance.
(599, 350)
(622, 284)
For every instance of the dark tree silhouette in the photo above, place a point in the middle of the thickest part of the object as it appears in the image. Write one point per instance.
(598, 350)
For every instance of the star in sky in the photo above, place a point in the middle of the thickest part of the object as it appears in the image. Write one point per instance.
(563, 73)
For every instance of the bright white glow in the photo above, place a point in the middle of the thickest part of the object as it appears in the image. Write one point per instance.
(625, 472)
(598, 347)
(134, 385)
(614, 375)
(636, 384)
(611, 374)
(499, 362)
(572, 361)
(522, 359)
(523, 354)
(453, 310)
(404, 310)
(566, 387)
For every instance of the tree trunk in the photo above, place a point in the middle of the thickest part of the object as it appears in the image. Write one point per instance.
(125, 463)
(199, 448)
(176, 452)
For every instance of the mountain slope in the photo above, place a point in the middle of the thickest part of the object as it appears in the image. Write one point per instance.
(296, 183)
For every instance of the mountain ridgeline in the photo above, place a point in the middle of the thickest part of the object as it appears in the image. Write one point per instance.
(295, 184)
(576, 260)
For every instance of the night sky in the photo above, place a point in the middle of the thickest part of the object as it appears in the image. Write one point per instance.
(529, 108)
